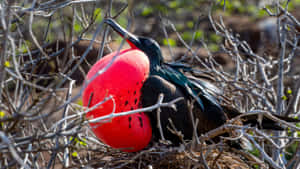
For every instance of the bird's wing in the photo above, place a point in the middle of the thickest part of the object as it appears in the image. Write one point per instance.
(178, 66)
(214, 90)
(202, 87)
(192, 87)
(205, 89)
(181, 117)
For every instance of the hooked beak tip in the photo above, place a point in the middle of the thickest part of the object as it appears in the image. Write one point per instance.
(130, 38)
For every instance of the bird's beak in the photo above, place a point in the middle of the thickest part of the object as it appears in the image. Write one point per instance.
(131, 39)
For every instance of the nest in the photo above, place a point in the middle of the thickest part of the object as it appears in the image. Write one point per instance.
(160, 156)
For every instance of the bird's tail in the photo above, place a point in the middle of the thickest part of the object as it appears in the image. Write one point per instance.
(253, 119)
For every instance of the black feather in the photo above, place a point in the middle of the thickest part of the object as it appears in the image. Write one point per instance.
(168, 79)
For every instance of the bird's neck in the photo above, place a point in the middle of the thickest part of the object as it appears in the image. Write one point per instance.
(155, 63)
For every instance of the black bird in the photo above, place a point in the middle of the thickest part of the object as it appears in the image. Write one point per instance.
(167, 78)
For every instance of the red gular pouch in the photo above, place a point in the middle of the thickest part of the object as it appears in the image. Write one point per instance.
(123, 81)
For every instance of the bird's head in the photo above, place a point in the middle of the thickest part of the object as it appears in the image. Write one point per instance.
(149, 46)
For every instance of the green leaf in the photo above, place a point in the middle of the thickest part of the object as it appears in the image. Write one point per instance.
(199, 34)
(7, 64)
(173, 4)
(252, 9)
(221, 2)
(261, 13)
(291, 150)
(187, 36)
(213, 47)
(79, 102)
(83, 143)
(291, 6)
(179, 27)
(289, 91)
(229, 6)
(77, 27)
(284, 97)
(169, 41)
(76, 140)
(237, 4)
(255, 152)
(2, 114)
(190, 24)
(13, 27)
(161, 8)
(147, 11)
(215, 38)
(23, 49)
(97, 14)
(74, 154)
(256, 166)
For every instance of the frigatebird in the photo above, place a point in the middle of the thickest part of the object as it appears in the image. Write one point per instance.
(147, 76)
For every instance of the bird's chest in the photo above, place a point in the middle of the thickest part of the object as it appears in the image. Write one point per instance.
(120, 80)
